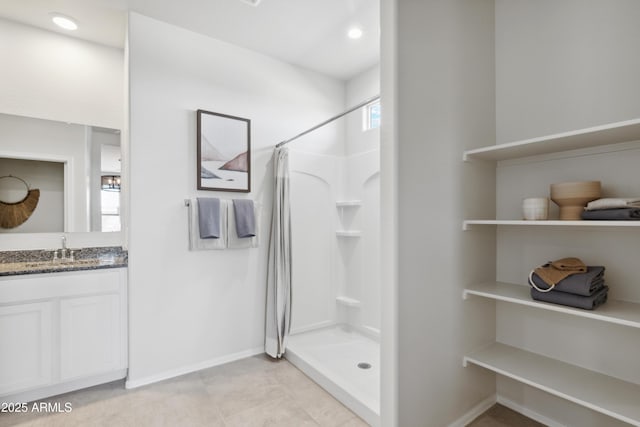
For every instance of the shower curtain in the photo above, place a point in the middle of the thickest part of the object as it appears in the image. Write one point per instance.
(278, 321)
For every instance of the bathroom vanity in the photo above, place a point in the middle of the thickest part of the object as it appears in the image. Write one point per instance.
(63, 324)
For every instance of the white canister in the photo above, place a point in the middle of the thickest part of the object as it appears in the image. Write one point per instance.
(535, 208)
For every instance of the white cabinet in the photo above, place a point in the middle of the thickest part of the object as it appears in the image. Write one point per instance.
(90, 336)
(541, 356)
(26, 334)
(61, 332)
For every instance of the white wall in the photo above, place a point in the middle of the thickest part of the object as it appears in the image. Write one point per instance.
(444, 105)
(51, 76)
(361, 87)
(563, 65)
(191, 309)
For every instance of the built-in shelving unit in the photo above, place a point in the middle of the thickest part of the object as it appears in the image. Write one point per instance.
(599, 392)
(602, 393)
(553, 223)
(348, 233)
(608, 134)
(618, 312)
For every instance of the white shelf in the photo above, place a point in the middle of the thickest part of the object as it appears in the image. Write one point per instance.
(608, 134)
(553, 223)
(618, 312)
(349, 302)
(348, 233)
(348, 203)
(602, 393)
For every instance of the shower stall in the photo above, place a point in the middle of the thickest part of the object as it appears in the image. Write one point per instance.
(334, 174)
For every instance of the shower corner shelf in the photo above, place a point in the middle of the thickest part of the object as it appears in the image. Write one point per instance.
(348, 233)
(348, 203)
(348, 302)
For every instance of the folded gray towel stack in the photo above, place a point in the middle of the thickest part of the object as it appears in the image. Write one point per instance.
(581, 290)
(209, 217)
(572, 300)
(245, 217)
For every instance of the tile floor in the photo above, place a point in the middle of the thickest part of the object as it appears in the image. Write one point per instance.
(251, 392)
(256, 391)
(501, 416)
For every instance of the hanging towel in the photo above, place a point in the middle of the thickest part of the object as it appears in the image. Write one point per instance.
(209, 217)
(611, 203)
(585, 284)
(625, 214)
(195, 242)
(554, 271)
(235, 242)
(578, 301)
(245, 218)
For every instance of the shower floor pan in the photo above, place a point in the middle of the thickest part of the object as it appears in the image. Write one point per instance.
(331, 356)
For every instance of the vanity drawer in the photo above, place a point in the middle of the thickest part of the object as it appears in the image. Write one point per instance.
(34, 287)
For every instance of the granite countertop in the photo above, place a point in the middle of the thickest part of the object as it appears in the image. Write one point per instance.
(14, 263)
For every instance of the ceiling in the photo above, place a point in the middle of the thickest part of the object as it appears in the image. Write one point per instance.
(308, 33)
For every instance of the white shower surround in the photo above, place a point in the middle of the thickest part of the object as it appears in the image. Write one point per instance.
(327, 266)
(335, 205)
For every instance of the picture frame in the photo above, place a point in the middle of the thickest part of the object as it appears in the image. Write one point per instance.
(224, 152)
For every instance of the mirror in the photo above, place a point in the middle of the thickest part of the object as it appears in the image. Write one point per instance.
(76, 169)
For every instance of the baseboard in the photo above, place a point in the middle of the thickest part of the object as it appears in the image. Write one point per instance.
(475, 412)
(64, 387)
(528, 412)
(134, 383)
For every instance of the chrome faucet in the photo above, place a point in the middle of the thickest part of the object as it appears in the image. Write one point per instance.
(63, 251)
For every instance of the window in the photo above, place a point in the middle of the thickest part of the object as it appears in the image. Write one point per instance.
(372, 116)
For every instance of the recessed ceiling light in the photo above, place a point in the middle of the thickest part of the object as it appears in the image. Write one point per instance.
(354, 33)
(63, 21)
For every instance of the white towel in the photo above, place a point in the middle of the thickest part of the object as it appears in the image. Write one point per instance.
(235, 242)
(612, 203)
(195, 242)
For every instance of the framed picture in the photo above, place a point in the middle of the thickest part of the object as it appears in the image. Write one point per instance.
(224, 152)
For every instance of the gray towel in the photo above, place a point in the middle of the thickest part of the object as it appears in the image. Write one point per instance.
(612, 214)
(245, 219)
(209, 217)
(578, 301)
(585, 284)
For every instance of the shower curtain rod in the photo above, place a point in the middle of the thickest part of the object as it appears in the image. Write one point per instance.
(362, 104)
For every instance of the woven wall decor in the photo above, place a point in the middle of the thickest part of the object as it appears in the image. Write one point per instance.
(14, 214)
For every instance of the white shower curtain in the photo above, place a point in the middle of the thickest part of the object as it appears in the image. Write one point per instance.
(278, 321)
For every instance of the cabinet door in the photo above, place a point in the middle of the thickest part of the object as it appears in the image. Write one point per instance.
(90, 336)
(26, 332)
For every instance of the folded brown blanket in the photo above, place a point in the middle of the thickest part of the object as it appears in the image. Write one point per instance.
(585, 284)
(570, 300)
(624, 214)
(555, 271)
